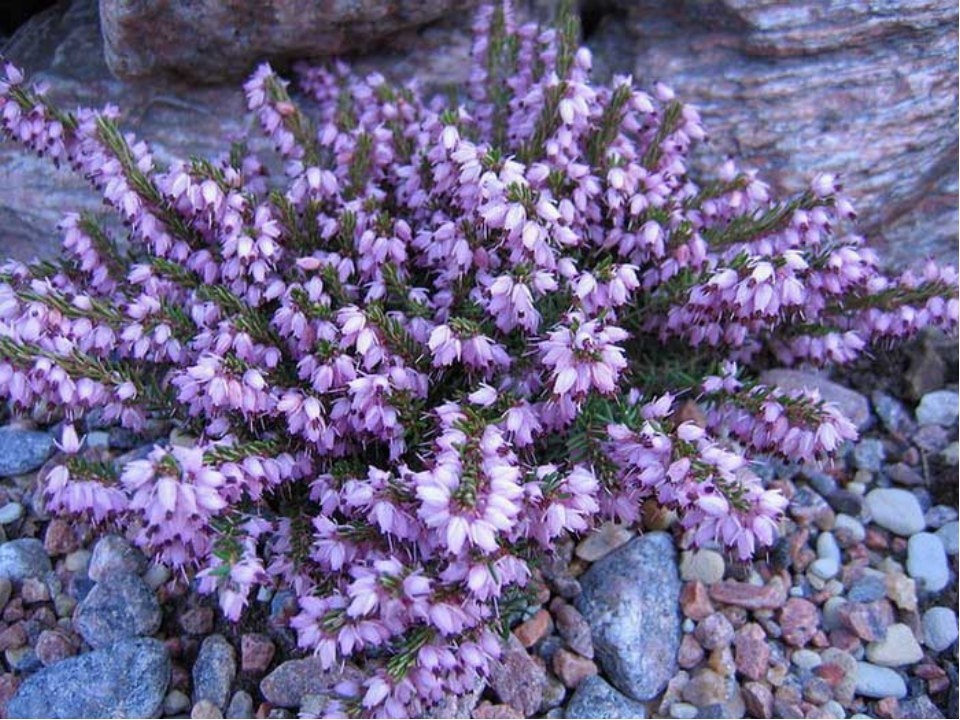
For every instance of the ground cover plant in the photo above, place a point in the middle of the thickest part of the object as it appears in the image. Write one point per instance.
(447, 333)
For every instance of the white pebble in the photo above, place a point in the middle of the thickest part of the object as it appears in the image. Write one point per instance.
(895, 510)
(939, 628)
(927, 562)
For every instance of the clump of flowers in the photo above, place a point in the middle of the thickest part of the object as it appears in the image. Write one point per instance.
(444, 336)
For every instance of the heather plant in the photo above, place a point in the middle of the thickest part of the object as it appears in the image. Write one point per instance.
(445, 335)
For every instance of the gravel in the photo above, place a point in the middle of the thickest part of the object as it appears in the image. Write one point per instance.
(23, 451)
(874, 681)
(939, 628)
(214, 671)
(939, 408)
(895, 510)
(927, 562)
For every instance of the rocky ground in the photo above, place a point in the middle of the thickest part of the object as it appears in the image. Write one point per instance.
(853, 613)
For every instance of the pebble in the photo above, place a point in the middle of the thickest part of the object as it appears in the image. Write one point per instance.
(850, 525)
(214, 671)
(205, 710)
(197, 621)
(292, 680)
(631, 600)
(23, 451)
(572, 669)
(898, 647)
(241, 706)
(758, 700)
(939, 628)
(573, 628)
(825, 568)
(602, 541)
(78, 561)
(128, 679)
(752, 651)
(895, 510)
(517, 679)
(60, 538)
(902, 591)
(827, 548)
(927, 562)
(22, 559)
(708, 688)
(707, 566)
(949, 535)
(892, 413)
(156, 575)
(595, 698)
(867, 588)
(256, 653)
(113, 554)
(939, 408)
(878, 682)
(532, 631)
(53, 646)
(175, 703)
(714, 631)
(869, 454)
(119, 608)
(752, 597)
(799, 621)
(10, 513)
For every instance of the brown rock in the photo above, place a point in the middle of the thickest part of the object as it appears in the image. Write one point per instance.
(34, 590)
(714, 631)
(517, 679)
(197, 621)
(798, 620)
(532, 631)
(13, 637)
(690, 653)
(60, 538)
(256, 653)
(695, 601)
(758, 700)
(868, 621)
(53, 646)
(751, 651)
(844, 688)
(844, 640)
(573, 628)
(572, 669)
(489, 711)
(770, 596)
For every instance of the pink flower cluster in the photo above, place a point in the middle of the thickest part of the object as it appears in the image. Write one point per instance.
(407, 364)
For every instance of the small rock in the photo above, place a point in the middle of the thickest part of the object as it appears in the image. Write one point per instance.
(113, 554)
(683, 711)
(694, 601)
(128, 679)
(156, 575)
(714, 631)
(175, 703)
(60, 538)
(33, 591)
(532, 631)
(690, 653)
(23, 451)
(903, 474)
(594, 698)
(850, 525)
(899, 647)
(10, 513)
(825, 568)
(846, 502)
(573, 628)
(806, 659)
(631, 600)
(53, 646)
(121, 607)
(937, 408)
(214, 671)
(895, 510)
(197, 621)
(517, 679)
(878, 682)
(752, 651)
(752, 597)
(293, 679)
(927, 562)
(78, 561)
(708, 688)
(572, 669)
(602, 541)
(24, 558)
(817, 690)
(892, 413)
(902, 591)
(799, 621)
(867, 588)
(827, 548)
(13, 636)
(809, 508)
(241, 706)
(205, 710)
(939, 628)
(869, 454)
(840, 669)
(868, 621)
(758, 700)
(707, 566)
(919, 707)
(256, 653)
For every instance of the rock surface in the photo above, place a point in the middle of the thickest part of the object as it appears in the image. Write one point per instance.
(214, 671)
(287, 685)
(595, 698)
(631, 598)
(24, 558)
(120, 607)
(895, 510)
(22, 451)
(128, 679)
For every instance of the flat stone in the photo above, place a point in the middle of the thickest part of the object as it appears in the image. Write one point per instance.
(128, 679)
(23, 451)
(895, 510)
(899, 647)
(214, 671)
(595, 698)
(939, 628)
(752, 597)
(120, 607)
(927, 562)
(516, 678)
(878, 682)
(292, 680)
(22, 559)
(851, 403)
(939, 408)
(631, 600)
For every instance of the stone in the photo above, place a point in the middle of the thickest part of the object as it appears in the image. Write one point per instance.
(845, 669)
(825, 568)
(758, 700)
(256, 653)
(868, 621)
(214, 41)
(941, 407)
(595, 698)
(895, 510)
(113, 554)
(33, 591)
(949, 535)
(690, 653)
(176, 703)
(878, 682)
(489, 711)
(695, 601)
(927, 562)
(241, 706)
(23, 451)
(13, 636)
(205, 710)
(120, 607)
(892, 413)
(854, 406)
(867, 588)
(573, 628)
(751, 651)
(631, 600)
(903, 474)
(707, 566)
(290, 681)
(60, 538)
(919, 707)
(197, 621)
(128, 679)
(532, 631)
(10, 513)
(214, 671)
(850, 525)
(827, 548)
(869, 454)
(808, 508)
(53, 646)
(22, 559)
(939, 628)
(799, 620)
(6, 589)
(517, 679)
(898, 647)
(572, 669)
(902, 590)
(708, 688)
(770, 596)
(714, 631)
(602, 541)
